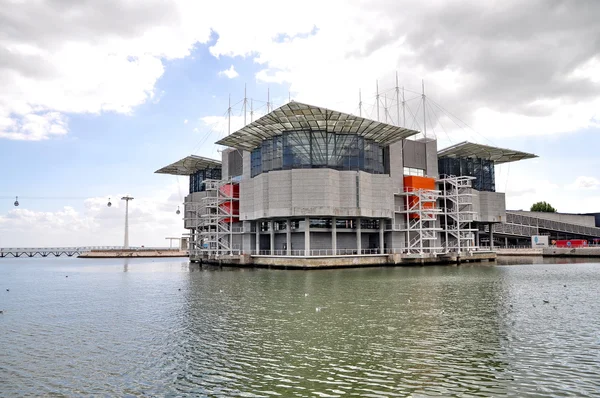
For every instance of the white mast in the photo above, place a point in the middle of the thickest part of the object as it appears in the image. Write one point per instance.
(229, 117)
(359, 103)
(245, 101)
(397, 99)
(126, 240)
(403, 109)
(268, 100)
(424, 115)
(251, 110)
(377, 97)
(385, 108)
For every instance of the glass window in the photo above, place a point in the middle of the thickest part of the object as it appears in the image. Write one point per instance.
(196, 179)
(320, 222)
(267, 155)
(296, 149)
(277, 162)
(345, 224)
(319, 148)
(410, 171)
(369, 223)
(306, 149)
(256, 162)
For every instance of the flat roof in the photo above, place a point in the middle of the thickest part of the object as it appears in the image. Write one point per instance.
(472, 150)
(188, 165)
(299, 116)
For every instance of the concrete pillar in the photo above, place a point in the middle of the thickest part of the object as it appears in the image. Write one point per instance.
(333, 236)
(358, 237)
(257, 224)
(246, 237)
(491, 235)
(381, 236)
(272, 237)
(477, 237)
(288, 237)
(306, 236)
(506, 241)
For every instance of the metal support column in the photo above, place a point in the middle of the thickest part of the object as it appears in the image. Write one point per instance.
(333, 236)
(491, 226)
(272, 237)
(381, 236)
(288, 237)
(358, 237)
(306, 236)
(257, 237)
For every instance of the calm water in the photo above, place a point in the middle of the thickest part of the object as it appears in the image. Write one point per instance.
(165, 328)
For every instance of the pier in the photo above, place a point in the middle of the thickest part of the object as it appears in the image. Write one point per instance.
(46, 251)
(91, 252)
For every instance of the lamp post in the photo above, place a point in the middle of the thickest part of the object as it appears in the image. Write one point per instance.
(126, 199)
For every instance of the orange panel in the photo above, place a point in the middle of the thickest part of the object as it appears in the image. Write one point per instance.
(412, 183)
(415, 182)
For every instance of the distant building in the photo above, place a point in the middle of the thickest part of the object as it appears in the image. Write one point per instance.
(308, 181)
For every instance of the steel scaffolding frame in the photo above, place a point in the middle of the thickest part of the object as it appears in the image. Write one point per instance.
(421, 217)
(211, 223)
(458, 213)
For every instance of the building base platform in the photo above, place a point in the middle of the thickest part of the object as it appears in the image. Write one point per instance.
(324, 262)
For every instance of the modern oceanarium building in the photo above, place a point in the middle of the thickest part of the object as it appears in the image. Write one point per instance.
(305, 185)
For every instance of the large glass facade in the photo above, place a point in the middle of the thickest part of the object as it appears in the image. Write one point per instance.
(317, 149)
(196, 179)
(481, 169)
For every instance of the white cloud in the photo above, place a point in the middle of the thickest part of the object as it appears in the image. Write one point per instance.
(584, 182)
(104, 57)
(185, 121)
(151, 219)
(517, 79)
(231, 73)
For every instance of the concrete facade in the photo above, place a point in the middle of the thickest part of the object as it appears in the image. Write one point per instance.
(316, 192)
(489, 207)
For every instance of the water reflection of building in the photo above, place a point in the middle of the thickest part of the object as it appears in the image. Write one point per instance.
(308, 181)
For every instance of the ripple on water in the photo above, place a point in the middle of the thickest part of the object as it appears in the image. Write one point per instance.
(469, 331)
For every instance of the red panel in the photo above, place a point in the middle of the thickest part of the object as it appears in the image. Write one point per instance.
(571, 243)
(228, 206)
(231, 190)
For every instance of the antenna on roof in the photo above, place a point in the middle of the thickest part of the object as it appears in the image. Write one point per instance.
(397, 99)
(229, 117)
(403, 109)
(424, 115)
(268, 100)
(245, 102)
(385, 107)
(377, 97)
(359, 103)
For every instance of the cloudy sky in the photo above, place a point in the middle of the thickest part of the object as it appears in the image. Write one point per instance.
(97, 95)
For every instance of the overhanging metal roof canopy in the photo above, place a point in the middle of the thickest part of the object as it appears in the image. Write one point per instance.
(189, 165)
(472, 150)
(299, 116)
